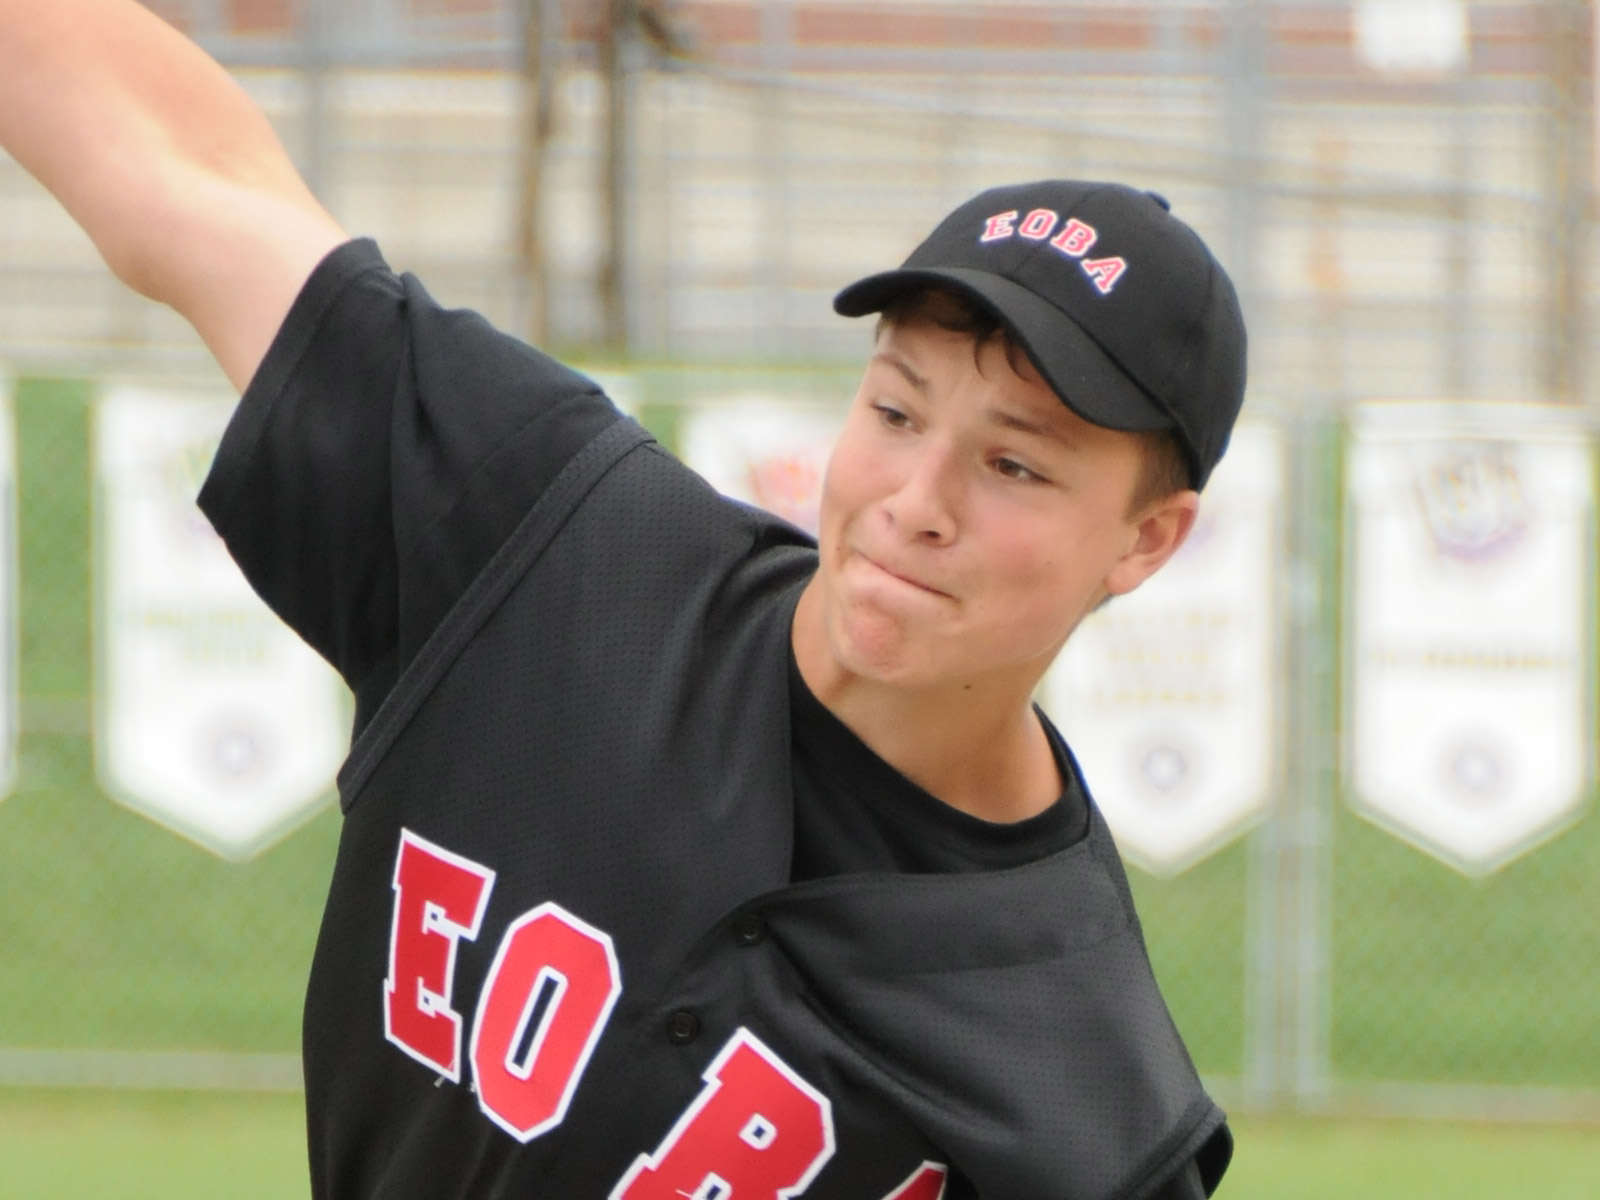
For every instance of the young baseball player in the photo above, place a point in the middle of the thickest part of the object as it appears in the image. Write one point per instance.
(682, 856)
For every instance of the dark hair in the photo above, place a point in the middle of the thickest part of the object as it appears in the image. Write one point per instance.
(1165, 469)
(950, 311)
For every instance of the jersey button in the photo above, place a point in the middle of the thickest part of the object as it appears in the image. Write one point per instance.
(682, 1027)
(749, 929)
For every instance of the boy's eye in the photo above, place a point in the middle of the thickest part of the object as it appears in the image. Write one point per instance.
(892, 416)
(1012, 469)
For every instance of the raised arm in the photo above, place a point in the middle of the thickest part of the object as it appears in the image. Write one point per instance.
(165, 162)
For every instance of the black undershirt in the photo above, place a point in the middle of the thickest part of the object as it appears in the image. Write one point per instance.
(854, 812)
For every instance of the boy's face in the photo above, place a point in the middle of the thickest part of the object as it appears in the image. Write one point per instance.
(970, 519)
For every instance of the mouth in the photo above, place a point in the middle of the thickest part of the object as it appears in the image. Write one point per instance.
(909, 580)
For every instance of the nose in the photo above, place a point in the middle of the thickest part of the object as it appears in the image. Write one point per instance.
(923, 507)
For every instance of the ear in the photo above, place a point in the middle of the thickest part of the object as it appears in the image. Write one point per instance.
(1158, 532)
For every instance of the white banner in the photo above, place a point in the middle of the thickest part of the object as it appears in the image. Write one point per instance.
(1471, 555)
(768, 451)
(1168, 695)
(212, 718)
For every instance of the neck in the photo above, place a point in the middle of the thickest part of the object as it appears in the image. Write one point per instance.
(977, 745)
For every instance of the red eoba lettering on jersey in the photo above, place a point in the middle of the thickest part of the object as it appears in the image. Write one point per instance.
(925, 1183)
(756, 1131)
(549, 994)
(543, 1007)
(439, 898)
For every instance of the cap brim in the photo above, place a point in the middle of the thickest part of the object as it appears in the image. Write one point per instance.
(1087, 379)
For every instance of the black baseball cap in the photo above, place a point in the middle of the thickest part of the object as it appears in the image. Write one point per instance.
(1126, 314)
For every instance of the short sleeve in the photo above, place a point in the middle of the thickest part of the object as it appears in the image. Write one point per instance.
(383, 451)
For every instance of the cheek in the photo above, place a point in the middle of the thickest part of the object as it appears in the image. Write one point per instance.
(852, 481)
(1048, 570)
(1041, 575)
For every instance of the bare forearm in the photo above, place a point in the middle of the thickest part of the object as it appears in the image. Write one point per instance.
(164, 161)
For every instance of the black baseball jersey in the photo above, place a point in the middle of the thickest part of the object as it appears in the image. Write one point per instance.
(563, 953)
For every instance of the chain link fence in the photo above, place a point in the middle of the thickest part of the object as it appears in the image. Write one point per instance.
(670, 193)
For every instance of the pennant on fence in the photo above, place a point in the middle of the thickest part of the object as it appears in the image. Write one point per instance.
(1470, 554)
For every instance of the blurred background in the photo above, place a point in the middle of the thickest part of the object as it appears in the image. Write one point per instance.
(1357, 812)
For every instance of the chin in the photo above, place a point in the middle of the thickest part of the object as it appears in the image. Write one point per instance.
(879, 649)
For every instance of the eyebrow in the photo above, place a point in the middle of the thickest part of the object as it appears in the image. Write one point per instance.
(899, 364)
(1010, 420)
